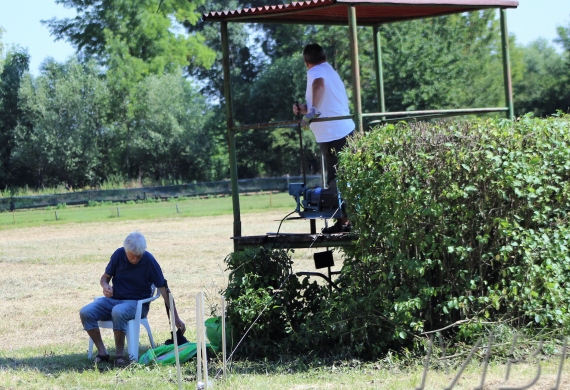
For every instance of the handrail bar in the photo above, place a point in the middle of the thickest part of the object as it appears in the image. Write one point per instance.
(295, 123)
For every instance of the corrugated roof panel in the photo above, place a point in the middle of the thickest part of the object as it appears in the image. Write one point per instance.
(367, 12)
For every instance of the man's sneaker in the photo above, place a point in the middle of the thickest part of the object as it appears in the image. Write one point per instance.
(337, 228)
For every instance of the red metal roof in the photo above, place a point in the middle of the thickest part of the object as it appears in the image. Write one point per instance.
(367, 12)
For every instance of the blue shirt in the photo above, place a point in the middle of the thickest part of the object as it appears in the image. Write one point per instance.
(133, 281)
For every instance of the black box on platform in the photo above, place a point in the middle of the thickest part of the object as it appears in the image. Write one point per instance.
(323, 259)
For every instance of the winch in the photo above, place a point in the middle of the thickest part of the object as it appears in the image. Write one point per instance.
(315, 203)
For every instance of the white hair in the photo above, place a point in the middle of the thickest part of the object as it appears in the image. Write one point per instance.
(135, 243)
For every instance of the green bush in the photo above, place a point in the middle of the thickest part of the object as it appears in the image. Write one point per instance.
(456, 221)
(270, 305)
(459, 224)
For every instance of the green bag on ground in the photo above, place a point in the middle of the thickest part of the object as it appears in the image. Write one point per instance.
(164, 354)
(214, 332)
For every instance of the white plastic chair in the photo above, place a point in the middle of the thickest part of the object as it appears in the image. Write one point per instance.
(133, 328)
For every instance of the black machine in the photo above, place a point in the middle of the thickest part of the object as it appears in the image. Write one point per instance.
(318, 203)
(324, 203)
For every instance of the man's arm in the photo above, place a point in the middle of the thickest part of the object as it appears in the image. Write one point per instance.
(107, 289)
(179, 324)
(318, 88)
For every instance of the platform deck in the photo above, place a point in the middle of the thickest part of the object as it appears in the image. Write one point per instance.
(295, 240)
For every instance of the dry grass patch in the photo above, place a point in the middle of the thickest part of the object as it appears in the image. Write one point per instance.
(50, 272)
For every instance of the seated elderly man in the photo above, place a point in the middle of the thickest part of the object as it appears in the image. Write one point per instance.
(133, 271)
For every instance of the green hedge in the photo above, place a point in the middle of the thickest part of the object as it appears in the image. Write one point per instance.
(457, 221)
(269, 305)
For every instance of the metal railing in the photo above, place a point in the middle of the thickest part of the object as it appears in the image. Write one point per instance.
(279, 184)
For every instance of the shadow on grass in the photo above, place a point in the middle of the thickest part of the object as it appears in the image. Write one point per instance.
(56, 364)
(291, 365)
(51, 363)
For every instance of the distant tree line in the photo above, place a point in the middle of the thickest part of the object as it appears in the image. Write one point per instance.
(143, 98)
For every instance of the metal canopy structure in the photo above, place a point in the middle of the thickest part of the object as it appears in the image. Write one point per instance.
(368, 13)
(351, 13)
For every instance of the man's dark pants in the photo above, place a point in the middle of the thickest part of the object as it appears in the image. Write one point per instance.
(330, 152)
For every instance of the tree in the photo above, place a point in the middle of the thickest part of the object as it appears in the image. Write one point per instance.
(133, 39)
(564, 37)
(141, 32)
(273, 152)
(15, 66)
(564, 40)
(65, 110)
(170, 139)
(444, 62)
(2, 31)
(246, 62)
(541, 90)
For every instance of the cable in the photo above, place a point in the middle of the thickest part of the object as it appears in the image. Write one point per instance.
(279, 228)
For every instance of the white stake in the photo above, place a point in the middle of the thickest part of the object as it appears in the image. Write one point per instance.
(174, 338)
(198, 343)
(203, 337)
(201, 356)
(224, 336)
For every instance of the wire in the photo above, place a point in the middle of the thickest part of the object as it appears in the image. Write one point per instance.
(279, 228)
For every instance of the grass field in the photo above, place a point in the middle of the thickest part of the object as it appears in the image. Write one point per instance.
(49, 269)
(193, 207)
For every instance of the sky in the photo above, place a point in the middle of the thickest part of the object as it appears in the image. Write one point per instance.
(21, 21)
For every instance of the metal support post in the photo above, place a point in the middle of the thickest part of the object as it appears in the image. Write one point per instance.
(302, 150)
(507, 65)
(230, 133)
(353, 36)
(379, 72)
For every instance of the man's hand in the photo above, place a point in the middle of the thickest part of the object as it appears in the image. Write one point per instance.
(299, 108)
(177, 321)
(108, 291)
(180, 325)
(312, 114)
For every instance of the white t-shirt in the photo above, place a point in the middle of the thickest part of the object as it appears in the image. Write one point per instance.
(334, 103)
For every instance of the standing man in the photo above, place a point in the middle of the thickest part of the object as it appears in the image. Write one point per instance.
(133, 271)
(326, 97)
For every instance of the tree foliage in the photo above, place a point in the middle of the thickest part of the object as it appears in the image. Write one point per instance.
(170, 138)
(541, 90)
(133, 40)
(444, 62)
(15, 65)
(67, 133)
(141, 33)
(2, 31)
(66, 108)
(437, 63)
